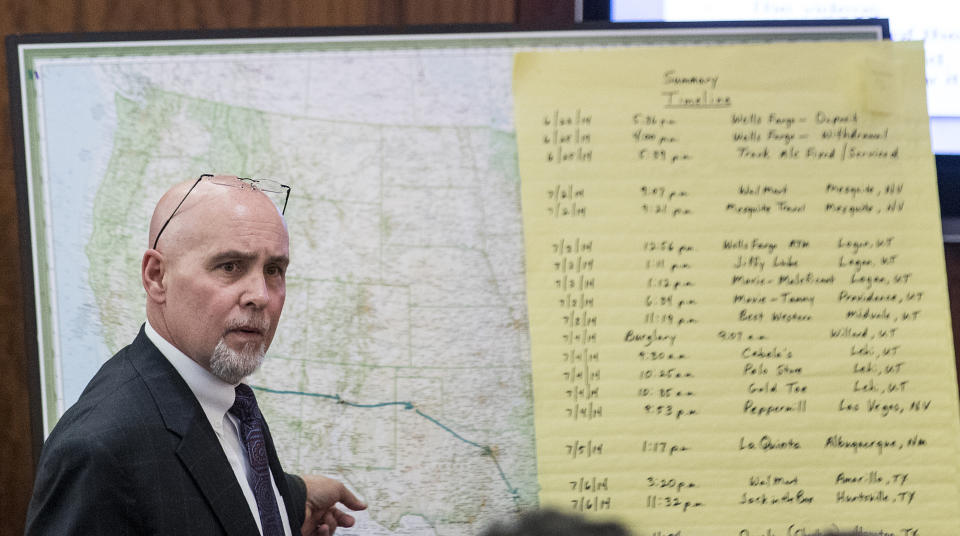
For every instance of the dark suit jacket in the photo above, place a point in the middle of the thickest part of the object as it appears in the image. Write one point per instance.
(137, 455)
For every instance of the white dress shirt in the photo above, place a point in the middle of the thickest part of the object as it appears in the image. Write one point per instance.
(216, 397)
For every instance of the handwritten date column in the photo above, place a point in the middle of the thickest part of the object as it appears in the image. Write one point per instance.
(567, 141)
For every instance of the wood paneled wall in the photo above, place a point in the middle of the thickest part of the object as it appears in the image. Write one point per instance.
(59, 16)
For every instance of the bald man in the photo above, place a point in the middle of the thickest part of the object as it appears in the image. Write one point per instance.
(154, 445)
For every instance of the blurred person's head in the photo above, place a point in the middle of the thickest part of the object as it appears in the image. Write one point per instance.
(554, 523)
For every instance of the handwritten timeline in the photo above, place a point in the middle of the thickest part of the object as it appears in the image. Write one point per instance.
(736, 289)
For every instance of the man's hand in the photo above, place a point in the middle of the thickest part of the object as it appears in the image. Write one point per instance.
(323, 517)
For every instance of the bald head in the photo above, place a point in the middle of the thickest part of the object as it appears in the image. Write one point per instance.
(166, 206)
(192, 201)
(216, 278)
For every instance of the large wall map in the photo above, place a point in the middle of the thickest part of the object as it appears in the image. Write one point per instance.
(402, 361)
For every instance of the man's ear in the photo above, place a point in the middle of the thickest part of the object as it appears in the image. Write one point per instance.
(152, 269)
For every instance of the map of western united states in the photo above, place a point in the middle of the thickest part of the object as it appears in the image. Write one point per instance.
(401, 364)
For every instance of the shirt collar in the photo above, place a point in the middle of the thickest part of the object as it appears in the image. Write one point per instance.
(215, 395)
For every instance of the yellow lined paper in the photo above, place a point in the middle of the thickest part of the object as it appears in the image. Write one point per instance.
(736, 289)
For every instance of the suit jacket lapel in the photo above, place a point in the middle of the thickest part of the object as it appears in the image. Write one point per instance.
(203, 457)
(199, 449)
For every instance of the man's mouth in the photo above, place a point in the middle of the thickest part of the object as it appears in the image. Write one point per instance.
(248, 328)
(246, 331)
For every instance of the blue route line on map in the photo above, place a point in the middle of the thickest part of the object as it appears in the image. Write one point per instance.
(487, 451)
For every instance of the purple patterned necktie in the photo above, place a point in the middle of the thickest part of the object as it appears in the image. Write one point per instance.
(251, 431)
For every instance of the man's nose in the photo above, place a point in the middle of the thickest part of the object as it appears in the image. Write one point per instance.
(255, 291)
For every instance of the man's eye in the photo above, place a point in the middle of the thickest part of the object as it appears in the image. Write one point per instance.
(230, 267)
(274, 270)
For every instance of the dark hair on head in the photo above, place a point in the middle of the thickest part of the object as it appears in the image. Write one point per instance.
(549, 522)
